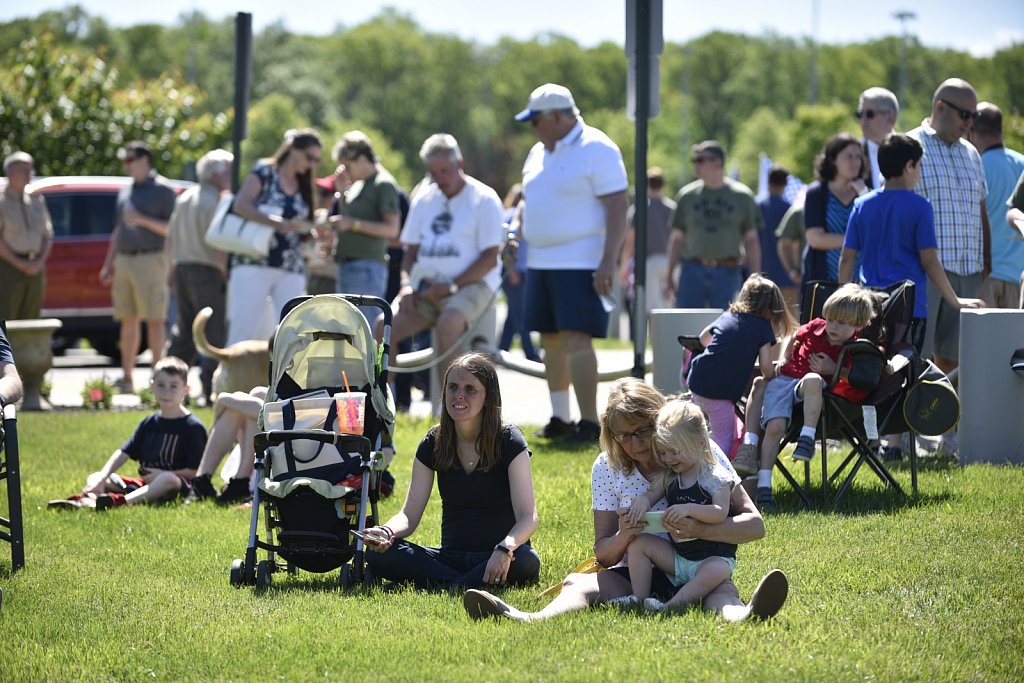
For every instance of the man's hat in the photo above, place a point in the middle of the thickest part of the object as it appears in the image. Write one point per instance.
(709, 147)
(548, 97)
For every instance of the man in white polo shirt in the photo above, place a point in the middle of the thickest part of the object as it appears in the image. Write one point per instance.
(574, 217)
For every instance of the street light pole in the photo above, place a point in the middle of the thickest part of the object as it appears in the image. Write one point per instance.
(903, 16)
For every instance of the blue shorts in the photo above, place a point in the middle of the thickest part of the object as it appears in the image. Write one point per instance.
(779, 398)
(687, 569)
(559, 300)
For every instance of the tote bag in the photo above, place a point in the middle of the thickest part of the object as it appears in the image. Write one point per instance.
(231, 233)
(301, 455)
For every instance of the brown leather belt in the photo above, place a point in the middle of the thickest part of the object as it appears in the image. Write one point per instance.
(30, 255)
(137, 252)
(717, 262)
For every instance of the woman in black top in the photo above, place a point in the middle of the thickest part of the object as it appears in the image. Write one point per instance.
(483, 476)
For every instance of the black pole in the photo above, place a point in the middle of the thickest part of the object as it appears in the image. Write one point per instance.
(643, 105)
(243, 76)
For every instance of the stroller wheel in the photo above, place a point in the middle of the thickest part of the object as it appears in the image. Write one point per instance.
(237, 572)
(345, 579)
(263, 571)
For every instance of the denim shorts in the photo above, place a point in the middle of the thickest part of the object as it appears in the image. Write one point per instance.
(559, 300)
(779, 398)
(687, 569)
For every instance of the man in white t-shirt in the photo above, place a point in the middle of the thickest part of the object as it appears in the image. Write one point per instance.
(451, 238)
(574, 217)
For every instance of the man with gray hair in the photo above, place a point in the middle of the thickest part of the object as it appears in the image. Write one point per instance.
(1003, 166)
(451, 239)
(877, 111)
(26, 235)
(197, 273)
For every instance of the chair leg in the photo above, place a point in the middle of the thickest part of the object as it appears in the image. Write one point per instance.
(13, 476)
(823, 427)
(913, 461)
(800, 490)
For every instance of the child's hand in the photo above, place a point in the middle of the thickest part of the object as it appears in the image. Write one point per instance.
(822, 364)
(637, 508)
(677, 513)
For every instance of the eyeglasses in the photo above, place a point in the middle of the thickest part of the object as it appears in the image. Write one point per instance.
(643, 433)
(866, 113)
(964, 114)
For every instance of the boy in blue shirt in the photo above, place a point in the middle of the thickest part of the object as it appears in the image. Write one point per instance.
(893, 231)
(167, 445)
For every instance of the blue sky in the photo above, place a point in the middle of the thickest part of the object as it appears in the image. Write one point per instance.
(980, 26)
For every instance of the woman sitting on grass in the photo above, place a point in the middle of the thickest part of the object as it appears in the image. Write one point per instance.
(483, 477)
(622, 472)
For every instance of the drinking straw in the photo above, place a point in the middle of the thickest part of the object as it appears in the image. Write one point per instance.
(344, 378)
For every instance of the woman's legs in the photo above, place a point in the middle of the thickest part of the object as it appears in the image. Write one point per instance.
(579, 591)
(248, 288)
(286, 287)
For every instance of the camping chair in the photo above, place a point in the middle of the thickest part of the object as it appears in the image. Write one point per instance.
(11, 529)
(843, 419)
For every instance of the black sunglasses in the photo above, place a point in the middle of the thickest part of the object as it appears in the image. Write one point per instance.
(964, 114)
(865, 113)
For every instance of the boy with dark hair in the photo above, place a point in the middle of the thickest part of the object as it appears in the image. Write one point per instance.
(167, 445)
(808, 366)
(893, 231)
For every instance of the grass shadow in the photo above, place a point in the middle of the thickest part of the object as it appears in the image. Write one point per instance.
(859, 499)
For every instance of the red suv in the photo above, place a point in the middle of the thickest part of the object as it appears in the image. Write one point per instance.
(82, 209)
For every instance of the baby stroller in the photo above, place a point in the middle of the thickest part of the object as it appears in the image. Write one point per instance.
(315, 484)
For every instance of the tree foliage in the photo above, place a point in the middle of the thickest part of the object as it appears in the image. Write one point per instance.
(400, 83)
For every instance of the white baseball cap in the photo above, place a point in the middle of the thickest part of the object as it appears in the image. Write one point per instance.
(548, 97)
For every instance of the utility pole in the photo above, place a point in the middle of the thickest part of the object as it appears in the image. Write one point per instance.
(812, 88)
(903, 16)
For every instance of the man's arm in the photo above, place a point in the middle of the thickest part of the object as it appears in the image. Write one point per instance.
(752, 248)
(615, 207)
(676, 240)
(937, 274)
(10, 383)
(986, 242)
(479, 268)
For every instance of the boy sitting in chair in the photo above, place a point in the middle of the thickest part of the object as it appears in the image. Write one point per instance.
(167, 445)
(808, 366)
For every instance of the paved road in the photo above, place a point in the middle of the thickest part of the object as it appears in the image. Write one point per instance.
(525, 398)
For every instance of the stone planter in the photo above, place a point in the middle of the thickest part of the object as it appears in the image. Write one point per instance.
(30, 340)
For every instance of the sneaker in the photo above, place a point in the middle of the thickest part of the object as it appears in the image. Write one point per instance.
(654, 605)
(235, 491)
(70, 503)
(124, 386)
(769, 596)
(764, 500)
(624, 601)
(804, 450)
(555, 429)
(587, 433)
(745, 462)
(202, 489)
(106, 501)
(892, 453)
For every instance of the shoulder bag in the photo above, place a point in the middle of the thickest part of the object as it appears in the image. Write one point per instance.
(237, 235)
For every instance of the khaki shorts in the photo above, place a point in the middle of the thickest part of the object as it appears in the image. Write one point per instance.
(471, 301)
(1001, 294)
(140, 286)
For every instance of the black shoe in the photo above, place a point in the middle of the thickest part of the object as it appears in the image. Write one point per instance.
(770, 595)
(804, 450)
(587, 433)
(892, 454)
(555, 429)
(235, 491)
(202, 489)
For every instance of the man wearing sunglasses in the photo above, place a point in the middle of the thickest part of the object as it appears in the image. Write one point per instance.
(876, 112)
(714, 216)
(574, 216)
(135, 264)
(953, 179)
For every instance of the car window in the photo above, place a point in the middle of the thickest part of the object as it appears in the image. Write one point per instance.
(81, 214)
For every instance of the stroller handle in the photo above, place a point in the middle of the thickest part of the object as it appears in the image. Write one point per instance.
(276, 437)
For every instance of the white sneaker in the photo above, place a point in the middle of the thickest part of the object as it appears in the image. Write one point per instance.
(654, 605)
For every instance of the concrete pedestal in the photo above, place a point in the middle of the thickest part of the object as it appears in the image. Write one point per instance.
(30, 341)
(666, 326)
(991, 394)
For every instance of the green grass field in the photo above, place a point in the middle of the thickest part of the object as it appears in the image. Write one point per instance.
(880, 589)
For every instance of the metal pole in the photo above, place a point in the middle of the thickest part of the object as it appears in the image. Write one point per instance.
(243, 71)
(643, 105)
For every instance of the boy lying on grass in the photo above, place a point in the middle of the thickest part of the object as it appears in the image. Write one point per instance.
(167, 445)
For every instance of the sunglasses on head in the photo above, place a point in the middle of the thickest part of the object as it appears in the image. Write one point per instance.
(964, 114)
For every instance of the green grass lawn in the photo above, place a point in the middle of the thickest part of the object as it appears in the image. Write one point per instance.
(880, 589)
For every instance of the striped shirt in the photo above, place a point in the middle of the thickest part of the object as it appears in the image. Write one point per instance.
(953, 180)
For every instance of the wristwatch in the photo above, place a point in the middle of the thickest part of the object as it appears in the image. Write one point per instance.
(452, 288)
(505, 549)
(356, 225)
